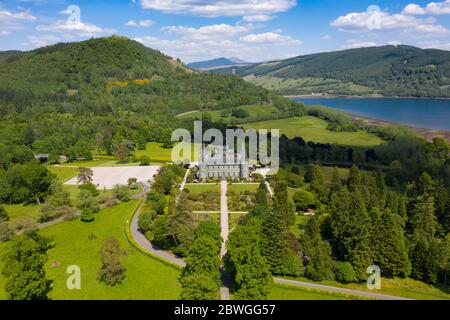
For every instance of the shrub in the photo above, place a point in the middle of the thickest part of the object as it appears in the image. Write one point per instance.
(87, 216)
(145, 221)
(304, 200)
(91, 188)
(122, 193)
(144, 161)
(5, 232)
(345, 273)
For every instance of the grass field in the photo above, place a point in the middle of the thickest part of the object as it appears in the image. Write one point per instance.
(202, 188)
(159, 154)
(315, 130)
(285, 292)
(63, 173)
(253, 110)
(238, 188)
(146, 278)
(18, 211)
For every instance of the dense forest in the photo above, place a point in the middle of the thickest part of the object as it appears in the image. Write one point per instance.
(402, 71)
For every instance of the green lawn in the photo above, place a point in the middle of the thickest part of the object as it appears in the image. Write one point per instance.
(234, 218)
(202, 188)
(238, 188)
(146, 277)
(18, 211)
(315, 130)
(157, 153)
(253, 110)
(286, 292)
(63, 173)
(300, 224)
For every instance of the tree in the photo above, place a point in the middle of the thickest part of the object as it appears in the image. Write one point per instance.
(320, 265)
(24, 268)
(210, 229)
(336, 183)
(317, 184)
(345, 273)
(85, 175)
(199, 287)
(180, 226)
(145, 221)
(262, 195)
(392, 254)
(144, 161)
(122, 150)
(112, 272)
(202, 264)
(246, 262)
(3, 214)
(121, 193)
(304, 200)
(354, 179)
(281, 259)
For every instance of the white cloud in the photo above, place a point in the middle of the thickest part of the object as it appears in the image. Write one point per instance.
(443, 45)
(433, 8)
(414, 9)
(211, 32)
(269, 37)
(220, 8)
(327, 37)
(142, 23)
(7, 16)
(40, 41)
(258, 18)
(78, 28)
(352, 44)
(377, 20)
(4, 33)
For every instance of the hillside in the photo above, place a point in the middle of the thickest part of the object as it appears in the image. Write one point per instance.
(218, 63)
(389, 71)
(106, 72)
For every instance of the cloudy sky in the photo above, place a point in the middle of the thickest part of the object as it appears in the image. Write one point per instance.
(253, 30)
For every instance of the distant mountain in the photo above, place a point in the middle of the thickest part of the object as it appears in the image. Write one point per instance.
(218, 63)
(402, 71)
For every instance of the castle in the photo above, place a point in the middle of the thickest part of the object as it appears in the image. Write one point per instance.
(223, 163)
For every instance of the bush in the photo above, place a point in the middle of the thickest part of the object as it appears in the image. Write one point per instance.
(91, 188)
(121, 193)
(5, 232)
(304, 200)
(345, 273)
(87, 216)
(145, 221)
(144, 161)
(87, 201)
(295, 170)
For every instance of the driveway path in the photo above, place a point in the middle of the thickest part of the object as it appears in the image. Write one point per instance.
(339, 290)
(224, 290)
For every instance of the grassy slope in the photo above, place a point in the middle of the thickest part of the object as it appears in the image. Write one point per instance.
(253, 110)
(314, 129)
(285, 292)
(146, 278)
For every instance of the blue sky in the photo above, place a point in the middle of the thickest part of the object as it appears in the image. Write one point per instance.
(253, 30)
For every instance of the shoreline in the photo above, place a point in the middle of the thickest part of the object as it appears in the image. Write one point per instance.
(337, 96)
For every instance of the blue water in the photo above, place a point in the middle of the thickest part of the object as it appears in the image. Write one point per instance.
(421, 113)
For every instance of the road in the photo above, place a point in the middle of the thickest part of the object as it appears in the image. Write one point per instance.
(339, 290)
(224, 290)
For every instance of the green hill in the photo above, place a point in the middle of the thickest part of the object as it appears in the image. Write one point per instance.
(103, 73)
(389, 70)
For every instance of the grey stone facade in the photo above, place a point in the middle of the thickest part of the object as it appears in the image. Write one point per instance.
(223, 163)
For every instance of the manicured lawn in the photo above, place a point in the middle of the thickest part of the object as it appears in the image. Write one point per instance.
(315, 130)
(238, 188)
(18, 211)
(285, 292)
(63, 173)
(159, 154)
(202, 188)
(234, 218)
(253, 110)
(146, 278)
